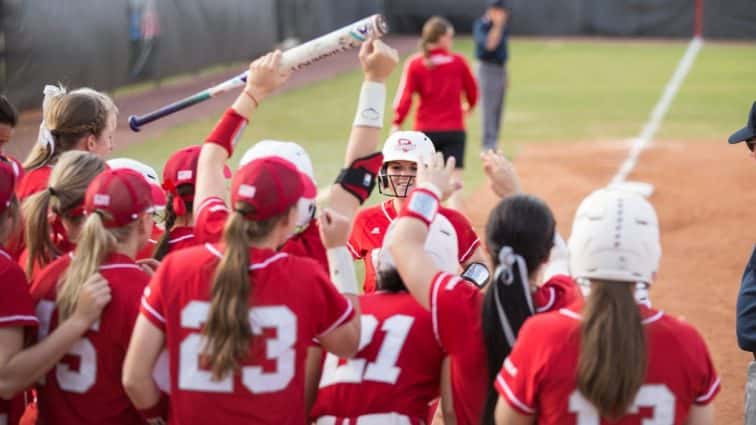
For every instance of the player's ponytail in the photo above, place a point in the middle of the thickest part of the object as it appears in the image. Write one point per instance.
(613, 359)
(94, 244)
(433, 29)
(183, 191)
(519, 235)
(227, 330)
(66, 187)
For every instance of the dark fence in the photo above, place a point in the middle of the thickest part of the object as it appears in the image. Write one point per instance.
(108, 44)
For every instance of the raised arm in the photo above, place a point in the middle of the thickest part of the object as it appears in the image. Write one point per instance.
(264, 77)
(407, 242)
(378, 61)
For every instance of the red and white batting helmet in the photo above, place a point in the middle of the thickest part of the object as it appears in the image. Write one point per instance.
(409, 146)
(615, 236)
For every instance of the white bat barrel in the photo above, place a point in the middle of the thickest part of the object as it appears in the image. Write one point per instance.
(334, 42)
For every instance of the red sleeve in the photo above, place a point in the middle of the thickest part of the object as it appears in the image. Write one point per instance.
(354, 244)
(558, 292)
(467, 239)
(403, 99)
(455, 304)
(16, 306)
(335, 310)
(210, 220)
(468, 80)
(152, 306)
(518, 380)
(308, 244)
(703, 376)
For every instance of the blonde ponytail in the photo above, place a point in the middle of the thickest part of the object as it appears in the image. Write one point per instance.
(227, 330)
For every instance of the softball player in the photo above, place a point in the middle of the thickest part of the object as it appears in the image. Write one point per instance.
(46, 240)
(20, 366)
(83, 119)
(473, 327)
(85, 386)
(397, 372)
(619, 362)
(401, 156)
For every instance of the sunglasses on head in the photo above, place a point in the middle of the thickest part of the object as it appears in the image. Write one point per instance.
(751, 143)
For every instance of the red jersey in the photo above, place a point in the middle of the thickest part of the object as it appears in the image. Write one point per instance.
(539, 375)
(293, 301)
(85, 386)
(370, 226)
(34, 181)
(440, 88)
(397, 369)
(456, 307)
(212, 217)
(16, 310)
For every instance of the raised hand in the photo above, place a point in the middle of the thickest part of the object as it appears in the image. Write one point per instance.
(378, 60)
(266, 75)
(502, 177)
(334, 228)
(438, 174)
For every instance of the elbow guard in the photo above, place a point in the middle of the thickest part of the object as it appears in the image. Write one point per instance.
(359, 178)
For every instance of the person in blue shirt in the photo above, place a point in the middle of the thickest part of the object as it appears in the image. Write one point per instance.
(491, 32)
(746, 307)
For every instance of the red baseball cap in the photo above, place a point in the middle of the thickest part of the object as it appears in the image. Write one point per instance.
(123, 194)
(181, 167)
(270, 185)
(8, 179)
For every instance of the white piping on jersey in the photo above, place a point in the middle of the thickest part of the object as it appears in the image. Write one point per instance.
(215, 208)
(5, 254)
(180, 238)
(464, 258)
(152, 311)
(339, 321)
(552, 300)
(653, 318)
(119, 266)
(383, 208)
(353, 251)
(255, 266)
(510, 395)
(646, 321)
(434, 307)
(391, 418)
(19, 317)
(710, 393)
(152, 241)
(452, 283)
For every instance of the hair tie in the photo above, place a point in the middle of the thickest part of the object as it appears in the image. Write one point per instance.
(45, 137)
(52, 191)
(507, 260)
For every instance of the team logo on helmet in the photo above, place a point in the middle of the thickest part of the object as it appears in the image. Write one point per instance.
(405, 145)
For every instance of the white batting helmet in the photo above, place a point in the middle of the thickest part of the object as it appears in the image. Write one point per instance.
(441, 245)
(408, 146)
(615, 236)
(295, 154)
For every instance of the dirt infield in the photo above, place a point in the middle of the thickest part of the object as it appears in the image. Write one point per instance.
(702, 197)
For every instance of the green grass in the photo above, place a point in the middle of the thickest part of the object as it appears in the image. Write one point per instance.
(559, 91)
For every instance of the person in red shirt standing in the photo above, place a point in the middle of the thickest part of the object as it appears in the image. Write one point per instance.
(612, 360)
(397, 372)
(475, 329)
(401, 155)
(53, 217)
(83, 119)
(85, 386)
(440, 78)
(20, 366)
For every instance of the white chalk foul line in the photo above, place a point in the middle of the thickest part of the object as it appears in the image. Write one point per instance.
(660, 110)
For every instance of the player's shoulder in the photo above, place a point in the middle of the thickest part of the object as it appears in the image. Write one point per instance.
(11, 272)
(672, 327)
(552, 325)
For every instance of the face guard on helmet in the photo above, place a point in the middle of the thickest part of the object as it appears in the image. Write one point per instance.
(615, 237)
(407, 146)
(295, 154)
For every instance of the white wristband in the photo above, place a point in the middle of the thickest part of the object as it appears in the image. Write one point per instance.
(341, 266)
(371, 104)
